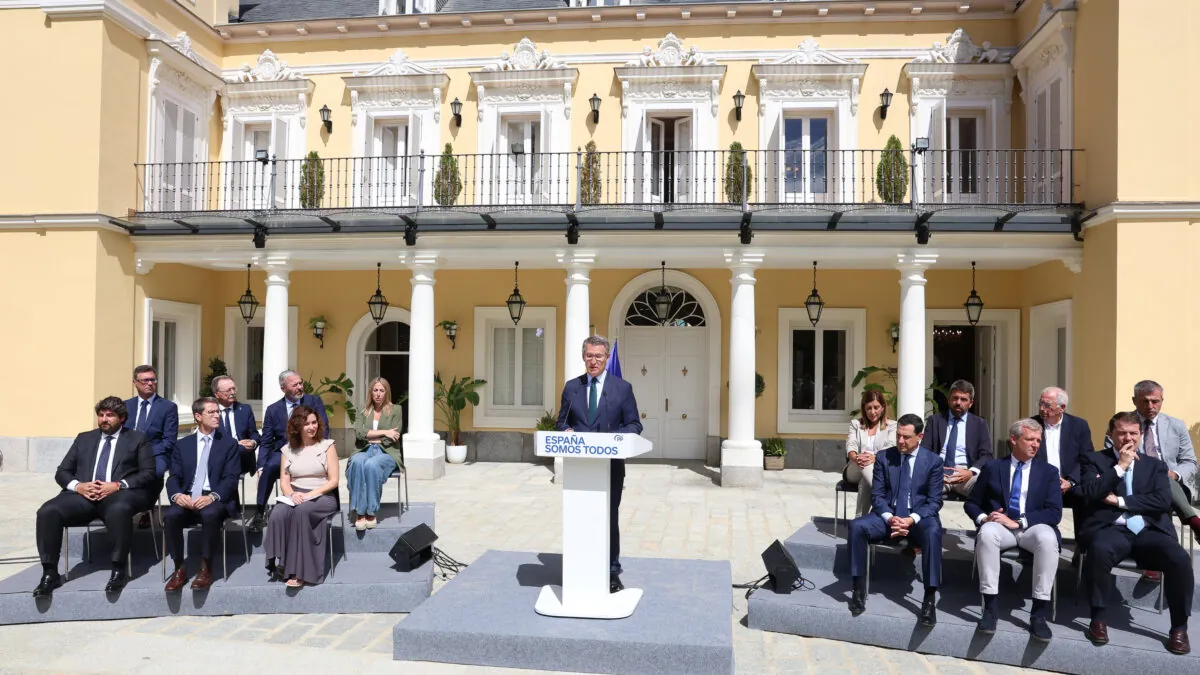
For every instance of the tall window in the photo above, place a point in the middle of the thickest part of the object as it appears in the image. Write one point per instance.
(172, 346)
(518, 363)
(817, 365)
(162, 357)
(963, 165)
(521, 141)
(390, 165)
(176, 177)
(243, 353)
(806, 157)
(253, 365)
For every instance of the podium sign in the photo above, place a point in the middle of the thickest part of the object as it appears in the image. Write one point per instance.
(586, 494)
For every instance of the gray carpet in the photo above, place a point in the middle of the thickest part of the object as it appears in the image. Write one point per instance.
(485, 617)
(1136, 629)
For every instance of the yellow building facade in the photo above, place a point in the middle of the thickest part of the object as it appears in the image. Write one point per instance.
(158, 147)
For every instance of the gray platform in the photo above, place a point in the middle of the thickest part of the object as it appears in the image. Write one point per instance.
(364, 579)
(485, 617)
(1136, 632)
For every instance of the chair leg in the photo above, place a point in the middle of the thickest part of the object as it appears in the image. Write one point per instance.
(835, 512)
(66, 553)
(164, 556)
(1054, 599)
(224, 553)
(331, 548)
(406, 493)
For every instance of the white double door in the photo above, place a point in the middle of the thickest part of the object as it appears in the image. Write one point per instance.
(668, 368)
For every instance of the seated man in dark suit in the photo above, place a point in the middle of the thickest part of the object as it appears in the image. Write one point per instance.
(906, 497)
(274, 435)
(963, 440)
(1126, 503)
(1065, 439)
(108, 473)
(237, 420)
(154, 416)
(202, 488)
(1017, 502)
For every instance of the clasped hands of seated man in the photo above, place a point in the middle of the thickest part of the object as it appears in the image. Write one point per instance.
(196, 504)
(1125, 459)
(957, 474)
(97, 489)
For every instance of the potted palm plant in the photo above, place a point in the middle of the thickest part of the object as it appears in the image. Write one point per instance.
(774, 453)
(451, 400)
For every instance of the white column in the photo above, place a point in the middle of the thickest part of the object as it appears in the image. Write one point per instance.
(910, 395)
(741, 453)
(424, 451)
(275, 331)
(577, 327)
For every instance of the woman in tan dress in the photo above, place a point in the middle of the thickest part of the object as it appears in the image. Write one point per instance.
(296, 535)
(870, 432)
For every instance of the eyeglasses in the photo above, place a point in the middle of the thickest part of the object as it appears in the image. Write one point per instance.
(151, 380)
(1044, 404)
(595, 357)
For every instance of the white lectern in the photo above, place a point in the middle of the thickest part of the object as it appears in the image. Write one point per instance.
(585, 585)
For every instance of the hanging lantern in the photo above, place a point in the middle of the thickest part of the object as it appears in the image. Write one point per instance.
(516, 303)
(974, 303)
(813, 304)
(377, 304)
(247, 304)
(662, 299)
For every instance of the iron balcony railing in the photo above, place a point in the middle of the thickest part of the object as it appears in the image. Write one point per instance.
(834, 180)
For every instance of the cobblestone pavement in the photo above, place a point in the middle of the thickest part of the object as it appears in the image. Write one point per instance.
(668, 510)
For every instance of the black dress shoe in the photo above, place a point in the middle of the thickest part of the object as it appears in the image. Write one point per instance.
(987, 622)
(1039, 629)
(256, 523)
(858, 602)
(116, 582)
(49, 582)
(614, 583)
(143, 521)
(928, 613)
(274, 574)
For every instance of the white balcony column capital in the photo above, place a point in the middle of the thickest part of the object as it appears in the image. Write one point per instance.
(278, 269)
(579, 266)
(423, 265)
(912, 265)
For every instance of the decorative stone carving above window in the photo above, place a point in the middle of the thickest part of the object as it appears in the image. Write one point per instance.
(1050, 50)
(268, 86)
(960, 49)
(525, 56)
(397, 83)
(809, 72)
(175, 66)
(525, 76)
(671, 72)
(670, 54)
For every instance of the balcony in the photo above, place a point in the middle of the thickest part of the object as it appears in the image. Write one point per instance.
(857, 190)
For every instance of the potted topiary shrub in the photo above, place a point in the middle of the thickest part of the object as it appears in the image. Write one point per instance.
(590, 183)
(891, 176)
(451, 400)
(312, 181)
(774, 453)
(737, 174)
(447, 184)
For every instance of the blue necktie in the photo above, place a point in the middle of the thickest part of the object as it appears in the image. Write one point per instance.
(1014, 496)
(952, 442)
(101, 473)
(1133, 523)
(143, 416)
(593, 402)
(903, 492)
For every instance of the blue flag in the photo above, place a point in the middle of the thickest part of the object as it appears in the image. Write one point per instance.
(614, 361)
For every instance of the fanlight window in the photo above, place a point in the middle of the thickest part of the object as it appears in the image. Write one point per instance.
(685, 309)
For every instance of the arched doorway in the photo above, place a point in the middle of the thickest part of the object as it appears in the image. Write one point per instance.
(380, 351)
(674, 367)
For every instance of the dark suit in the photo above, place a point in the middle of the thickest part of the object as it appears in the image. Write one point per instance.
(132, 459)
(1074, 442)
(224, 468)
(160, 425)
(926, 498)
(243, 428)
(1107, 543)
(1043, 501)
(616, 413)
(274, 437)
(978, 443)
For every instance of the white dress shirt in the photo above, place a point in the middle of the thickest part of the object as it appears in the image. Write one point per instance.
(112, 453)
(1053, 442)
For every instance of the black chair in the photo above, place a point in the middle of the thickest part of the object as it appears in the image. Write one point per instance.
(1128, 565)
(224, 554)
(843, 486)
(1024, 557)
(87, 541)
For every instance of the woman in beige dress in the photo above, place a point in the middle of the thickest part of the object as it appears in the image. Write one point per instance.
(870, 432)
(296, 535)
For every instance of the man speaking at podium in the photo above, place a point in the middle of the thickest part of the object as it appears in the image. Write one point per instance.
(601, 402)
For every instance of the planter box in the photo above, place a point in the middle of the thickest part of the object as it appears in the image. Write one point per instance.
(771, 463)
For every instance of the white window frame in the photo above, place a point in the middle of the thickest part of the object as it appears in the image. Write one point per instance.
(851, 320)
(1044, 323)
(235, 347)
(187, 318)
(487, 416)
(807, 114)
